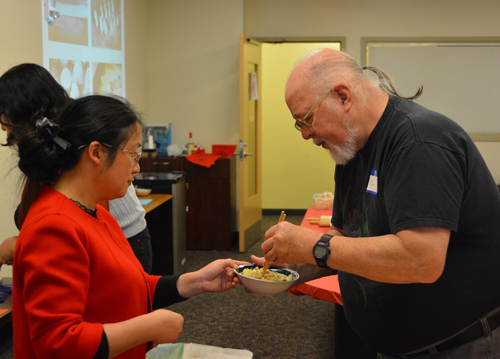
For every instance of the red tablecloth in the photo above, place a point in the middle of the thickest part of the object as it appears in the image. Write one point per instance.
(312, 212)
(326, 288)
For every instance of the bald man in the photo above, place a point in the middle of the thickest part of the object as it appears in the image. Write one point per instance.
(416, 220)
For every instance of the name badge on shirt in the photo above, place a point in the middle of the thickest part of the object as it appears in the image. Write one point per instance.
(372, 183)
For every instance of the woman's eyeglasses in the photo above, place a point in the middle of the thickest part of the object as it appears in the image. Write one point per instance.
(135, 155)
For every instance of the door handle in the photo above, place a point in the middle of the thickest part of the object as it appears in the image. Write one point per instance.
(242, 153)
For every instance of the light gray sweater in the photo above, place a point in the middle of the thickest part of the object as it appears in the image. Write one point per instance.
(129, 213)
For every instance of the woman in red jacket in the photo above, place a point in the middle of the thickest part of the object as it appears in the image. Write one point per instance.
(79, 290)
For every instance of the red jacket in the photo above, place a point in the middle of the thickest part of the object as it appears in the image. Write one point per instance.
(73, 272)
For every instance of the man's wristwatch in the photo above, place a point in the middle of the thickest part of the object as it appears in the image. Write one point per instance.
(321, 250)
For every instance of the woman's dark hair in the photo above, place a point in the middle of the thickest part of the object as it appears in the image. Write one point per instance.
(28, 92)
(42, 158)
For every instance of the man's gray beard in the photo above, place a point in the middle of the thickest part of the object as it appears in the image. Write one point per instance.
(343, 154)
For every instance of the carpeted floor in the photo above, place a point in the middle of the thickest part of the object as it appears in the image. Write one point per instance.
(284, 326)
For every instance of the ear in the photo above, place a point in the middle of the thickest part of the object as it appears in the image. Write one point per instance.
(95, 153)
(345, 95)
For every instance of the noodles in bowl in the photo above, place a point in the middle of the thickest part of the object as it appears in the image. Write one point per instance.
(274, 281)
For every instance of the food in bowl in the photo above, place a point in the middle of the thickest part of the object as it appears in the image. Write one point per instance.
(259, 273)
(266, 287)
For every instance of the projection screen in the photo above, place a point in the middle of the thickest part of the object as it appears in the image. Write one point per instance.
(83, 45)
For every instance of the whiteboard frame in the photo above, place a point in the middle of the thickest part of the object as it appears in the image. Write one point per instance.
(368, 42)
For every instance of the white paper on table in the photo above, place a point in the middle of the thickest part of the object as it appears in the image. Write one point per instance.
(196, 351)
(200, 351)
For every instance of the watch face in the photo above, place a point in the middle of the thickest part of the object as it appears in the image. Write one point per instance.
(320, 252)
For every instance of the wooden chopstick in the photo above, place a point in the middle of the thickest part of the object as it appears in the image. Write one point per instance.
(266, 263)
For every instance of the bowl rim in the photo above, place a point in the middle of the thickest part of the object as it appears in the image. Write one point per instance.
(240, 268)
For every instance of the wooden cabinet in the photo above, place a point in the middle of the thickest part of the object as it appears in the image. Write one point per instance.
(169, 164)
(210, 200)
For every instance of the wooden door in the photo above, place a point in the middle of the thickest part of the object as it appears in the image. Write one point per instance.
(249, 168)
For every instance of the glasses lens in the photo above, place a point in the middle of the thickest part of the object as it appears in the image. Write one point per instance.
(299, 125)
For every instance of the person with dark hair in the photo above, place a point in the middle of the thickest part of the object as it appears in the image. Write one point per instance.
(79, 291)
(414, 231)
(28, 92)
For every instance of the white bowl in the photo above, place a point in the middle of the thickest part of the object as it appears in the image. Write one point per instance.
(142, 191)
(266, 287)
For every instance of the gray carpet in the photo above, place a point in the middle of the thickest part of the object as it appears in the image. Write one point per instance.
(284, 326)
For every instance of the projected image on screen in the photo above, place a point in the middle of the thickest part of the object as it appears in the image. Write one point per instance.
(71, 26)
(74, 75)
(108, 78)
(106, 24)
(84, 48)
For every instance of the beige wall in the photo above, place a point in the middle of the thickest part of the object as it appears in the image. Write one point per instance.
(136, 71)
(355, 19)
(193, 68)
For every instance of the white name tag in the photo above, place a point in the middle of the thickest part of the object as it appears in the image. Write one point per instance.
(372, 183)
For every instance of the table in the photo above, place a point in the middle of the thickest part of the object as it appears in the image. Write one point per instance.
(157, 200)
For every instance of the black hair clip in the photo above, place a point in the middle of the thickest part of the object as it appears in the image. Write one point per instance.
(49, 129)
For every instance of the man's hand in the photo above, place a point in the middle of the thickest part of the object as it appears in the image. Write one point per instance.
(287, 243)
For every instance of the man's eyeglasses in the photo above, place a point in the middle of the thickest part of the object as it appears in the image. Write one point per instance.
(302, 123)
(135, 155)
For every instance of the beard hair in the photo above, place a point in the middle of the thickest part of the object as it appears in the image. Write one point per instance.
(343, 154)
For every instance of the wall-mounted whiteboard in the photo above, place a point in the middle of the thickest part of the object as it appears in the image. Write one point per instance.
(460, 79)
(83, 47)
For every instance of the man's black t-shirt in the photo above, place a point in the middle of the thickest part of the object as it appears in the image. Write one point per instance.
(419, 168)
